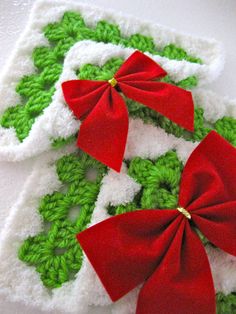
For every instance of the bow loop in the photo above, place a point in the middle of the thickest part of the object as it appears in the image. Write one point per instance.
(173, 102)
(218, 224)
(208, 178)
(139, 67)
(83, 102)
(208, 191)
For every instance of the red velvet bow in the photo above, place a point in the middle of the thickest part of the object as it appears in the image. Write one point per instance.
(161, 248)
(103, 132)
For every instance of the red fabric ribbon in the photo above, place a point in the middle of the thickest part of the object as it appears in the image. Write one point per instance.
(161, 248)
(103, 132)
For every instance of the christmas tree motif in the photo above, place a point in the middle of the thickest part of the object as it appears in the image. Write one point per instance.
(36, 90)
(55, 252)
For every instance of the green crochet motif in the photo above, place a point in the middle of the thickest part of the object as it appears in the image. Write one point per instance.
(72, 28)
(159, 180)
(36, 90)
(226, 304)
(60, 142)
(55, 252)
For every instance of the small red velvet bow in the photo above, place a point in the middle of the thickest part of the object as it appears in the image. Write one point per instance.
(103, 132)
(161, 248)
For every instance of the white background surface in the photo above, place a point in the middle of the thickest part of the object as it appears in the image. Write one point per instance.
(208, 18)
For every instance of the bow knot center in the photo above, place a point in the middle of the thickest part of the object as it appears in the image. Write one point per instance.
(113, 82)
(184, 212)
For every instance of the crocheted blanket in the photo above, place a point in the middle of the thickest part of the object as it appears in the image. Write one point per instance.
(42, 262)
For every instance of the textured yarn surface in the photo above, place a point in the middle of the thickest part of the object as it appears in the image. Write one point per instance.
(55, 252)
(47, 265)
(36, 90)
(226, 304)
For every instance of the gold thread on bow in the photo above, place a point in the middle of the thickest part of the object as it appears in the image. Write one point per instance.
(184, 212)
(113, 82)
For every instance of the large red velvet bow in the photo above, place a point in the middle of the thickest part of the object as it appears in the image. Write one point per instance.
(161, 248)
(103, 132)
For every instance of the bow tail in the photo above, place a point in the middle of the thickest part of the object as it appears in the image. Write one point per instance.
(124, 250)
(103, 133)
(171, 101)
(182, 283)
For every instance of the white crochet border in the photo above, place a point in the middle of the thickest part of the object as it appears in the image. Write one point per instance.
(20, 282)
(51, 124)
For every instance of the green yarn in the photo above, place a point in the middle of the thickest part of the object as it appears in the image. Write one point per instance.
(55, 252)
(121, 209)
(173, 52)
(188, 83)
(60, 142)
(227, 128)
(160, 183)
(36, 90)
(226, 304)
(159, 180)
(73, 26)
(103, 73)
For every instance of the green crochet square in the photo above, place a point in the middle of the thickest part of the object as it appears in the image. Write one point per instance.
(36, 90)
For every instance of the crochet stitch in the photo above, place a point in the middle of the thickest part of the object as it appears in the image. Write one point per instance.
(54, 252)
(34, 85)
(117, 190)
(225, 126)
(48, 266)
(47, 120)
(36, 90)
(207, 166)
